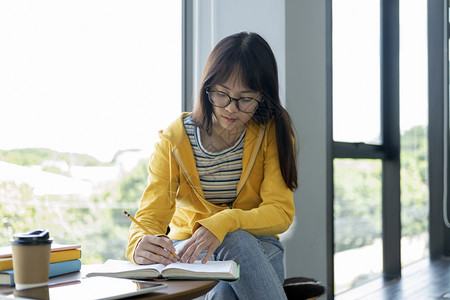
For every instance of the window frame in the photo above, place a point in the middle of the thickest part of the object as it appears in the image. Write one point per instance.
(389, 150)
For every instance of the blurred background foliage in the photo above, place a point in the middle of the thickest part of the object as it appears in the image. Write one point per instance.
(99, 224)
(358, 188)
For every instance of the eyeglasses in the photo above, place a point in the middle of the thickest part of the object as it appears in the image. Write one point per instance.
(244, 104)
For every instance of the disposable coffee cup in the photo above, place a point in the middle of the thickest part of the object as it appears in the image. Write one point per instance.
(41, 293)
(31, 258)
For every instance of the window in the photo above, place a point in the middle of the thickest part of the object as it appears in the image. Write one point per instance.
(356, 71)
(380, 169)
(357, 222)
(84, 87)
(356, 119)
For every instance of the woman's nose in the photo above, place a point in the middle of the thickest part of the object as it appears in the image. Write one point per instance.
(232, 107)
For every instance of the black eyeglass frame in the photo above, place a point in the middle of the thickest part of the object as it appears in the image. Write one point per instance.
(233, 99)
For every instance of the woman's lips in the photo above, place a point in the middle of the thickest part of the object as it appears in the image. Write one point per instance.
(228, 119)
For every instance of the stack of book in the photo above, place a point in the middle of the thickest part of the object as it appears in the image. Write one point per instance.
(63, 259)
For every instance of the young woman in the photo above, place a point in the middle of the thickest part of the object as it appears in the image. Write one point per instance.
(222, 177)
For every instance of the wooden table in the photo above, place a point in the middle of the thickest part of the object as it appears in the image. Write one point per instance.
(180, 290)
(176, 289)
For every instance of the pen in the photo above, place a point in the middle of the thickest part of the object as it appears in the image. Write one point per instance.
(145, 229)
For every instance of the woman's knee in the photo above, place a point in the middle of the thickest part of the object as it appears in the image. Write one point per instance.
(238, 241)
(240, 237)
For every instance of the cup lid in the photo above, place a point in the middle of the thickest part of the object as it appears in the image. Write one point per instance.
(36, 237)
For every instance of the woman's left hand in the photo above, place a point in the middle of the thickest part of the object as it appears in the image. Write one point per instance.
(202, 239)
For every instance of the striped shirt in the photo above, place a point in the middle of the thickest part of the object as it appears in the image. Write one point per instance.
(219, 172)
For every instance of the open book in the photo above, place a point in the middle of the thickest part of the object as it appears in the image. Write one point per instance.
(212, 270)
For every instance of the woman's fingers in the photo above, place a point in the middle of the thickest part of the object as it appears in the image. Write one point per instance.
(146, 258)
(153, 249)
(208, 254)
(201, 240)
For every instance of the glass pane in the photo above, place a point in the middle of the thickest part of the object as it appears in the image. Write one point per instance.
(414, 128)
(356, 71)
(357, 222)
(85, 86)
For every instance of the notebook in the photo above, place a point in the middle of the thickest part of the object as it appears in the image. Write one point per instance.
(212, 270)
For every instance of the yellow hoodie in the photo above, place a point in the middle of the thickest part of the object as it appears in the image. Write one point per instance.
(174, 197)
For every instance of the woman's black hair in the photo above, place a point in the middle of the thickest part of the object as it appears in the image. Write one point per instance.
(250, 56)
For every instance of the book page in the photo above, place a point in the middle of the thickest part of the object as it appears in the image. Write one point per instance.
(211, 269)
(121, 268)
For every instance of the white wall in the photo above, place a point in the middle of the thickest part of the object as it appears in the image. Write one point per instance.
(306, 249)
(216, 19)
(295, 29)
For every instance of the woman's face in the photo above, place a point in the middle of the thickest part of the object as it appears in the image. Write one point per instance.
(230, 117)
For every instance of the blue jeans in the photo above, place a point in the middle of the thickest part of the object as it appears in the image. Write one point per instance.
(261, 267)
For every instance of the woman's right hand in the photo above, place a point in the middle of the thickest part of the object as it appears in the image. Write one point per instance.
(154, 250)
